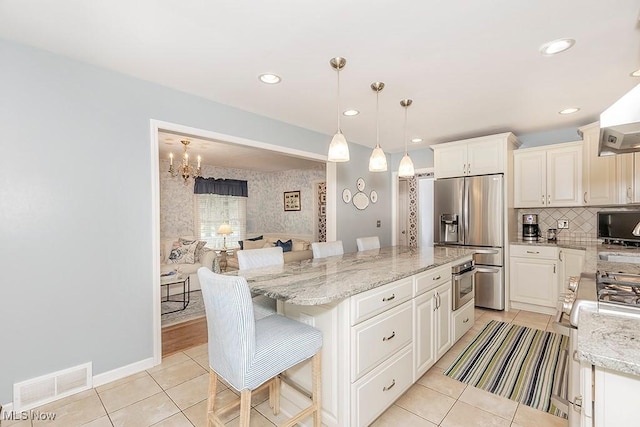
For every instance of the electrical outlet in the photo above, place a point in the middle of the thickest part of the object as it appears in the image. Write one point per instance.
(563, 223)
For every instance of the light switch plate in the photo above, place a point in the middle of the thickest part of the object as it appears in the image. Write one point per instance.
(563, 223)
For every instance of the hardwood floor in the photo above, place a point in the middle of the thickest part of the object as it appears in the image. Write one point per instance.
(183, 335)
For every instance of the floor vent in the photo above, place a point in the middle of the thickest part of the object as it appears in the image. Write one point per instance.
(47, 388)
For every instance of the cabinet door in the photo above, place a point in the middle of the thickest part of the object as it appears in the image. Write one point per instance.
(530, 179)
(424, 339)
(485, 157)
(571, 264)
(600, 187)
(443, 322)
(624, 178)
(450, 161)
(564, 176)
(534, 281)
(636, 177)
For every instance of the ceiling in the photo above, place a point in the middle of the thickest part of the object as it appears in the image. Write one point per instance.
(472, 67)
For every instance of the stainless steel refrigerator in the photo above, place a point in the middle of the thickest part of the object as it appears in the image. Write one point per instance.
(469, 211)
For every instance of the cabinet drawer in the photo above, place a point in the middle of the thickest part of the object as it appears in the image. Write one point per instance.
(428, 280)
(368, 304)
(463, 320)
(372, 395)
(532, 251)
(375, 340)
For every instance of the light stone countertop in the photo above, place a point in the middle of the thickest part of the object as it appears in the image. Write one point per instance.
(610, 341)
(325, 280)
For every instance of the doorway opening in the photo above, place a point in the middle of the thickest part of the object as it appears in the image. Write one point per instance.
(231, 143)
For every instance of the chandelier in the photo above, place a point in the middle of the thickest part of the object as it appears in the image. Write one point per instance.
(185, 170)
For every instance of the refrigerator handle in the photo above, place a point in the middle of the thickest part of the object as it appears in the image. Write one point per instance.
(465, 211)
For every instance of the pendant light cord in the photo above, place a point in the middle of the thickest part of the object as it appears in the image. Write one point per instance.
(405, 130)
(377, 119)
(338, 98)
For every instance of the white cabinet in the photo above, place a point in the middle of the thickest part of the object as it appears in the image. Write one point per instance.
(571, 263)
(432, 338)
(462, 320)
(628, 178)
(476, 156)
(599, 175)
(545, 177)
(615, 397)
(534, 278)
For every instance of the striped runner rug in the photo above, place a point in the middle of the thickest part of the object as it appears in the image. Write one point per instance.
(516, 362)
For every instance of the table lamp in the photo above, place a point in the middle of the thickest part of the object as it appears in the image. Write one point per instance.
(224, 229)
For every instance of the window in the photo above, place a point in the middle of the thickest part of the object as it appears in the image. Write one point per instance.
(212, 210)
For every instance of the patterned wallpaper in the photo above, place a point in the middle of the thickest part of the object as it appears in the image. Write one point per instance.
(321, 191)
(265, 204)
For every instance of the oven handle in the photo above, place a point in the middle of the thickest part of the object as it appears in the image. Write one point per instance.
(462, 274)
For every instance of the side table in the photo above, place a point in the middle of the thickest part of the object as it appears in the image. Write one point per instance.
(176, 279)
(222, 258)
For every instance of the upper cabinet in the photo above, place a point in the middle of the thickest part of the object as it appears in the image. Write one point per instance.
(628, 178)
(476, 156)
(548, 176)
(600, 184)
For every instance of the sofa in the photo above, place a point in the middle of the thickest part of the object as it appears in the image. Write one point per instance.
(189, 263)
(300, 248)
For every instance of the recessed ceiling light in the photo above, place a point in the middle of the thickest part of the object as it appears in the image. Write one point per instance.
(636, 73)
(270, 79)
(416, 140)
(569, 110)
(350, 113)
(556, 46)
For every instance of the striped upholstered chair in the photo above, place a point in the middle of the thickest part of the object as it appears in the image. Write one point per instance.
(250, 354)
(325, 249)
(263, 306)
(368, 243)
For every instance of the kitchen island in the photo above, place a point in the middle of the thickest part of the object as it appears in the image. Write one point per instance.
(386, 317)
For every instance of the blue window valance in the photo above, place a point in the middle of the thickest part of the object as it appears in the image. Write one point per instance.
(224, 187)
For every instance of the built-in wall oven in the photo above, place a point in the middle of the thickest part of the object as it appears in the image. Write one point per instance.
(463, 283)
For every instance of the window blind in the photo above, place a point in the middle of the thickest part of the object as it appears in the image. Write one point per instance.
(212, 210)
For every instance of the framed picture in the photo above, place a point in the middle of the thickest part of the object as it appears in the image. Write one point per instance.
(291, 201)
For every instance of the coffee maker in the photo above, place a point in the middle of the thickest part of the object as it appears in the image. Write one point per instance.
(530, 228)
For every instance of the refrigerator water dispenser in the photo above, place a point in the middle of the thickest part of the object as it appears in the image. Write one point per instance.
(449, 228)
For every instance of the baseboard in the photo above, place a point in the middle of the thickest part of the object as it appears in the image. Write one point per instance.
(123, 371)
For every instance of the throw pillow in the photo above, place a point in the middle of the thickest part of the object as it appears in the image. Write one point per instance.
(298, 246)
(199, 247)
(177, 254)
(286, 246)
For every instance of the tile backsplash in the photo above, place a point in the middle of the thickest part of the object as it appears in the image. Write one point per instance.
(582, 222)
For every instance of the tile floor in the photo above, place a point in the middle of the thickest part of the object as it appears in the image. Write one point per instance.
(173, 394)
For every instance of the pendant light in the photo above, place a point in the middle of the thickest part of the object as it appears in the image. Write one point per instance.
(338, 149)
(378, 160)
(406, 165)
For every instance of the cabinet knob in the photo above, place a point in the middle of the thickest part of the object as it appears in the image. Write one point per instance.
(436, 277)
(542, 201)
(390, 386)
(465, 320)
(390, 337)
(585, 197)
(533, 252)
(385, 299)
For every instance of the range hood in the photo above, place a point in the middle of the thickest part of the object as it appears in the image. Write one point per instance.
(620, 125)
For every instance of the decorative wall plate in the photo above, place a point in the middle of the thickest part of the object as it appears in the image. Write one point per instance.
(346, 195)
(360, 184)
(360, 200)
(373, 196)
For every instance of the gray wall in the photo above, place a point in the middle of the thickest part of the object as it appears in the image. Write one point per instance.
(75, 217)
(352, 222)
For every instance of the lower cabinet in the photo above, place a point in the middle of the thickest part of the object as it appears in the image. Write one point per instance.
(432, 327)
(534, 278)
(462, 320)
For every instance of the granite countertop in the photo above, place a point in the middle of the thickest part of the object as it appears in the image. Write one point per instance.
(325, 280)
(610, 341)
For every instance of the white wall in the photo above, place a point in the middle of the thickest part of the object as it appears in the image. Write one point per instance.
(76, 214)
